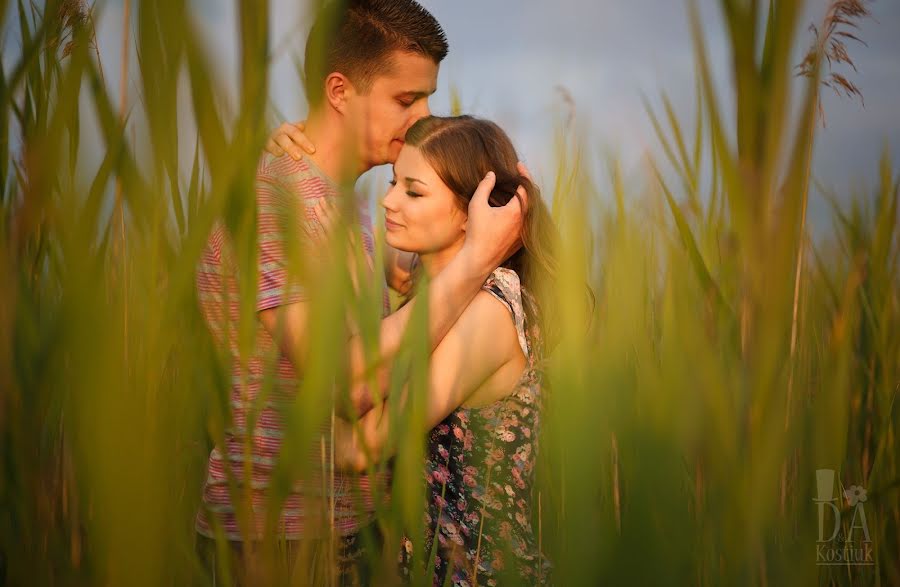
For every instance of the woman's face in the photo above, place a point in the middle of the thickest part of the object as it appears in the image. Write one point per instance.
(421, 214)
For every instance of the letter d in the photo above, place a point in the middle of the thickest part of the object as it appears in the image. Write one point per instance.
(837, 520)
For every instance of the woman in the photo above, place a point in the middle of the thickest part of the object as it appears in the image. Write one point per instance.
(485, 389)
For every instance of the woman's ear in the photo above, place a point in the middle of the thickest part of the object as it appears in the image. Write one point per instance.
(337, 91)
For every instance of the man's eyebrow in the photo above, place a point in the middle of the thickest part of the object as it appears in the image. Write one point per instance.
(412, 179)
(417, 93)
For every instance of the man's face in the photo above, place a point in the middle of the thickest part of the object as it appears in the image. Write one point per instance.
(396, 100)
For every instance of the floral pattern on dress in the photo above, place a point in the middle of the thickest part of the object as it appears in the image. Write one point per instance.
(480, 474)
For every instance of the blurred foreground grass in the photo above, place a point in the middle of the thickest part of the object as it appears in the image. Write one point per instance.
(726, 360)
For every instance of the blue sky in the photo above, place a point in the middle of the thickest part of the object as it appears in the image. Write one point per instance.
(508, 61)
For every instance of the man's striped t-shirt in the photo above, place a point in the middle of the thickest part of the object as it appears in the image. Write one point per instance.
(285, 189)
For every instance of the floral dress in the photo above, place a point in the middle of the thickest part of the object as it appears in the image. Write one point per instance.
(480, 476)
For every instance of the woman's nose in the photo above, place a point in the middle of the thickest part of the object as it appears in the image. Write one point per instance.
(389, 201)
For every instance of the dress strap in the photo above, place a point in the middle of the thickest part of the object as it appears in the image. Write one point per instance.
(504, 285)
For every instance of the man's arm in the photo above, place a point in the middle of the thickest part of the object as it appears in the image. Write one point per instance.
(492, 235)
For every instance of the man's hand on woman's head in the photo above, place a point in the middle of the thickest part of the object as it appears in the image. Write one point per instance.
(494, 234)
(290, 138)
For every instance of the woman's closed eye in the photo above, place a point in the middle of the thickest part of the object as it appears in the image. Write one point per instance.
(409, 193)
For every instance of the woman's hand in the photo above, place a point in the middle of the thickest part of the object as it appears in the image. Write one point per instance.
(399, 268)
(290, 138)
(493, 234)
(523, 171)
(356, 447)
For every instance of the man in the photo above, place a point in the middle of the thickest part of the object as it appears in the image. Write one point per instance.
(380, 65)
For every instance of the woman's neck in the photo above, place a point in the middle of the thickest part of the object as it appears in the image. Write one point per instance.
(434, 263)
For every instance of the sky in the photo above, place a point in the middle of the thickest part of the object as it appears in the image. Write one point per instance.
(508, 61)
(511, 61)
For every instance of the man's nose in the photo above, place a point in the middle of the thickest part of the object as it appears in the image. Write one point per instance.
(422, 110)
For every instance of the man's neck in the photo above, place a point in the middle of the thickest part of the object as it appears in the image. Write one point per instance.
(335, 150)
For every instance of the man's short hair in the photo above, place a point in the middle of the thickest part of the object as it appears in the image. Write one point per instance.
(357, 38)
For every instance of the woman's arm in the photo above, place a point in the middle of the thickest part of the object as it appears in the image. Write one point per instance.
(492, 234)
(481, 342)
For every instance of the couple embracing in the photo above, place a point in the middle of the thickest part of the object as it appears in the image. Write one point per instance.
(463, 205)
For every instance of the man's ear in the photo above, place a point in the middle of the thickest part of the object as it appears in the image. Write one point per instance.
(337, 91)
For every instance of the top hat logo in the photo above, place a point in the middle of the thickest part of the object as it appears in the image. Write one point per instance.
(824, 485)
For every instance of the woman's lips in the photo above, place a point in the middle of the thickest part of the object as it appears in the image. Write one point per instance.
(391, 225)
